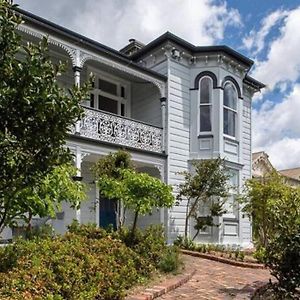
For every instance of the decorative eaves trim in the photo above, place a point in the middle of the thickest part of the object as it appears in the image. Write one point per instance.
(79, 57)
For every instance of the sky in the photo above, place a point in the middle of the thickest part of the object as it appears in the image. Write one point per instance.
(267, 31)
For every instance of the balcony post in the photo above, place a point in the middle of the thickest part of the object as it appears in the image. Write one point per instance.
(77, 71)
(163, 102)
(78, 161)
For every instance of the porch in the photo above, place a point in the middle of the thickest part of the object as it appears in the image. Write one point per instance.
(103, 212)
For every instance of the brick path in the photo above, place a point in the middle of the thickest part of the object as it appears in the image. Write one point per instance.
(214, 280)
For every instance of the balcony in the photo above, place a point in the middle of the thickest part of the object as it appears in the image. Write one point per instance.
(106, 127)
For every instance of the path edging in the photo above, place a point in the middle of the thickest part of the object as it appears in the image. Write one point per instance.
(165, 287)
(223, 260)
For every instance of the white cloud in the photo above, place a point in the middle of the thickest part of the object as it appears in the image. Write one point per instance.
(285, 153)
(114, 22)
(255, 41)
(282, 64)
(276, 130)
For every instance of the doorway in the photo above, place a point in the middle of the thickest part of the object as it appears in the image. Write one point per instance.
(107, 216)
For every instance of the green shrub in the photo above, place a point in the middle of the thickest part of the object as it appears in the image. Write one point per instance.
(70, 267)
(150, 244)
(282, 256)
(43, 231)
(185, 243)
(170, 261)
(259, 254)
(90, 230)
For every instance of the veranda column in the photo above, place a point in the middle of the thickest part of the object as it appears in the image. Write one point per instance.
(77, 71)
(163, 102)
(78, 161)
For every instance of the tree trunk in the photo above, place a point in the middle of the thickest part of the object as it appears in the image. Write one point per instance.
(196, 234)
(186, 220)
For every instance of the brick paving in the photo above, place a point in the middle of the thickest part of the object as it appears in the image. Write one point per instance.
(214, 280)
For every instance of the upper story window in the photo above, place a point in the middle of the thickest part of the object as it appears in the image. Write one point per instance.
(109, 95)
(205, 105)
(230, 109)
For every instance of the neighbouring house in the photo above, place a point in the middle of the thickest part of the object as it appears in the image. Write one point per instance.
(261, 165)
(168, 103)
(293, 175)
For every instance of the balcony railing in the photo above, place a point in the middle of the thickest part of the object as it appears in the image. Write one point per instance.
(106, 127)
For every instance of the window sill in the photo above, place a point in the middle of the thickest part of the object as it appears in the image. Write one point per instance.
(205, 135)
(230, 218)
(230, 138)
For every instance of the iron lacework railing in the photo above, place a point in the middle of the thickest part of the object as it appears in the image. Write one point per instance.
(106, 127)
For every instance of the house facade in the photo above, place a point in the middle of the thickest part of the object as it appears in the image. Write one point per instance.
(168, 103)
(261, 166)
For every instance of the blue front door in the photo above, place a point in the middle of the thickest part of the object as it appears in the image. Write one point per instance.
(108, 210)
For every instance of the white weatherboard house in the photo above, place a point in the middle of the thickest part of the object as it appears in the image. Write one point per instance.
(168, 103)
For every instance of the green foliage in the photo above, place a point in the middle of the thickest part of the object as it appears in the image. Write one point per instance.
(47, 196)
(35, 115)
(112, 164)
(205, 185)
(40, 232)
(72, 267)
(139, 192)
(282, 256)
(149, 244)
(275, 209)
(86, 263)
(170, 261)
(260, 197)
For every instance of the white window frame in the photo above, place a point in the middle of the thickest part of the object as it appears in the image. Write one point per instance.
(209, 104)
(235, 111)
(119, 83)
(233, 194)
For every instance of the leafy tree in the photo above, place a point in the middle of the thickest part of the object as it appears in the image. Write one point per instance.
(205, 185)
(139, 192)
(275, 209)
(35, 115)
(260, 197)
(47, 197)
(111, 166)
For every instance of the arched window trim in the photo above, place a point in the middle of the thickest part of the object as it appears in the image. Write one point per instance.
(205, 104)
(235, 111)
(235, 83)
(199, 77)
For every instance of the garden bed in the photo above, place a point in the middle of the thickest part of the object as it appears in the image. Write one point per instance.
(219, 256)
(86, 263)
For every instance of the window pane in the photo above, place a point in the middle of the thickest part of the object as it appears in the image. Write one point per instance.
(92, 103)
(107, 86)
(122, 109)
(229, 122)
(205, 119)
(230, 96)
(123, 92)
(107, 104)
(205, 90)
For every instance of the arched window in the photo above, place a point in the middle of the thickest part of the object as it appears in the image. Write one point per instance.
(205, 104)
(230, 109)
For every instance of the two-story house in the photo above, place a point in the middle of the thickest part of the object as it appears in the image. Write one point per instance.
(168, 103)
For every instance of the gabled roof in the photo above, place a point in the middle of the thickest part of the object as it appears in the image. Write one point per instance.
(256, 155)
(75, 37)
(291, 173)
(261, 164)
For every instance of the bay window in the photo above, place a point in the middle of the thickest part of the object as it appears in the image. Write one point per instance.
(230, 109)
(205, 104)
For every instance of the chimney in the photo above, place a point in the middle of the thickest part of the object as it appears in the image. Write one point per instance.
(133, 47)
